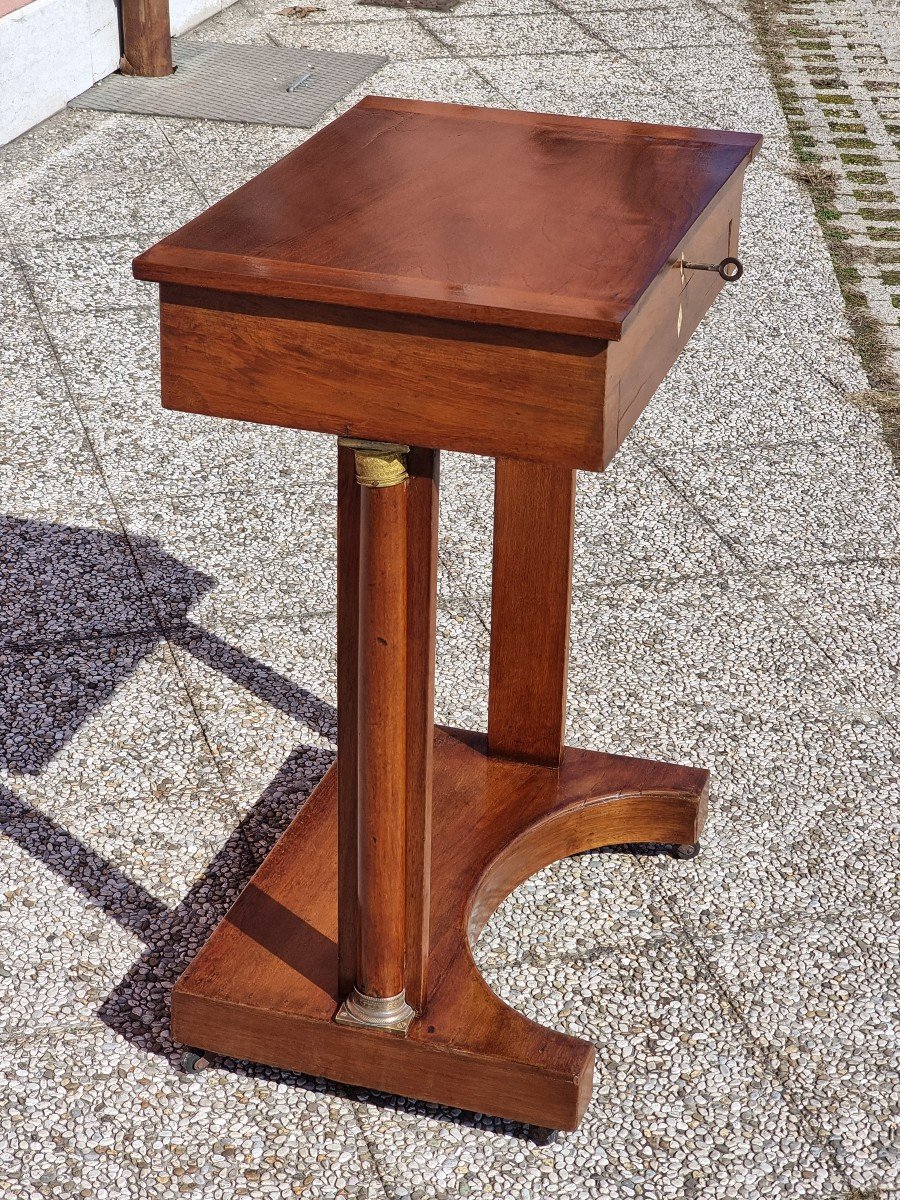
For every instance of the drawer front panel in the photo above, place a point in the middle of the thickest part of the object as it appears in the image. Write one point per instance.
(430, 383)
(670, 312)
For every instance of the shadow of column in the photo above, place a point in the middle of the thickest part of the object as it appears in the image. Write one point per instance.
(79, 610)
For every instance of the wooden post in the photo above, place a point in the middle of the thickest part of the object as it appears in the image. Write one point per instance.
(146, 38)
(534, 525)
(347, 719)
(421, 574)
(378, 996)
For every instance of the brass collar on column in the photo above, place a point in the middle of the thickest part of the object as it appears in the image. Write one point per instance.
(390, 1013)
(378, 464)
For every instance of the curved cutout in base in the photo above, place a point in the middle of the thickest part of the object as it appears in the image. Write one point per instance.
(264, 987)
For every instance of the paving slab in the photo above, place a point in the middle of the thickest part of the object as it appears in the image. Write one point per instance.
(64, 488)
(28, 364)
(267, 551)
(546, 82)
(124, 1125)
(221, 155)
(824, 996)
(783, 393)
(108, 352)
(685, 26)
(94, 196)
(71, 274)
(64, 583)
(74, 954)
(666, 641)
(150, 455)
(852, 610)
(692, 1111)
(541, 33)
(814, 835)
(402, 41)
(16, 301)
(802, 505)
(35, 430)
(264, 687)
(632, 524)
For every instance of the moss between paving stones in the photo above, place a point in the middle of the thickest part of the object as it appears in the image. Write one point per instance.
(872, 177)
(887, 405)
(777, 34)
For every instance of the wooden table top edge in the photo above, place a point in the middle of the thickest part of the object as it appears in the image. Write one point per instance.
(597, 126)
(174, 262)
(278, 280)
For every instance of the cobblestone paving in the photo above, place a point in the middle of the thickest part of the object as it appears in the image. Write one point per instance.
(168, 671)
(837, 65)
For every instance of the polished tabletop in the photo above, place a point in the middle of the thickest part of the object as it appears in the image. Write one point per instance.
(484, 215)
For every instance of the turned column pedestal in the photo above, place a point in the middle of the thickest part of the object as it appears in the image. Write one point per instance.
(377, 936)
(419, 277)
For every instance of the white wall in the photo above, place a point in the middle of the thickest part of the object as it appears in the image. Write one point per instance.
(52, 50)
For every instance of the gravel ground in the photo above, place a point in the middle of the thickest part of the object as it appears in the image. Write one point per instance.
(168, 681)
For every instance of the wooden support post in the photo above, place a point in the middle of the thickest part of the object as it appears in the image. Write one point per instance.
(534, 523)
(382, 740)
(424, 468)
(146, 38)
(378, 997)
(347, 686)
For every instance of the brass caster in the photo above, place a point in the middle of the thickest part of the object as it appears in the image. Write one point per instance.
(686, 852)
(193, 1062)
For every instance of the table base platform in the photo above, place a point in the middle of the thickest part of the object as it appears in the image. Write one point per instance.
(265, 986)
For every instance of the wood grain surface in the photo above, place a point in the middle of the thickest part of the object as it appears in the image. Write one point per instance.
(146, 38)
(531, 591)
(475, 214)
(347, 716)
(413, 380)
(265, 986)
(382, 739)
(527, 305)
(421, 591)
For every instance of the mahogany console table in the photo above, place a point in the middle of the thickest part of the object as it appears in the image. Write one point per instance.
(419, 277)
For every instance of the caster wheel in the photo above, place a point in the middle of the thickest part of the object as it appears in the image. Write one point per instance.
(542, 1136)
(193, 1062)
(686, 852)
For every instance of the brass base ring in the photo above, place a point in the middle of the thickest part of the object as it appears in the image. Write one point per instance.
(376, 1012)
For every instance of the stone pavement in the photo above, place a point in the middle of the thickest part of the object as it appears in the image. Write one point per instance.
(168, 681)
(837, 63)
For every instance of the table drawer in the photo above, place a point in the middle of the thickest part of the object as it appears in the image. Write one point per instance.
(670, 311)
(443, 384)
(556, 398)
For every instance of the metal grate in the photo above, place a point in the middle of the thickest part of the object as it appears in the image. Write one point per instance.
(268, 85)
